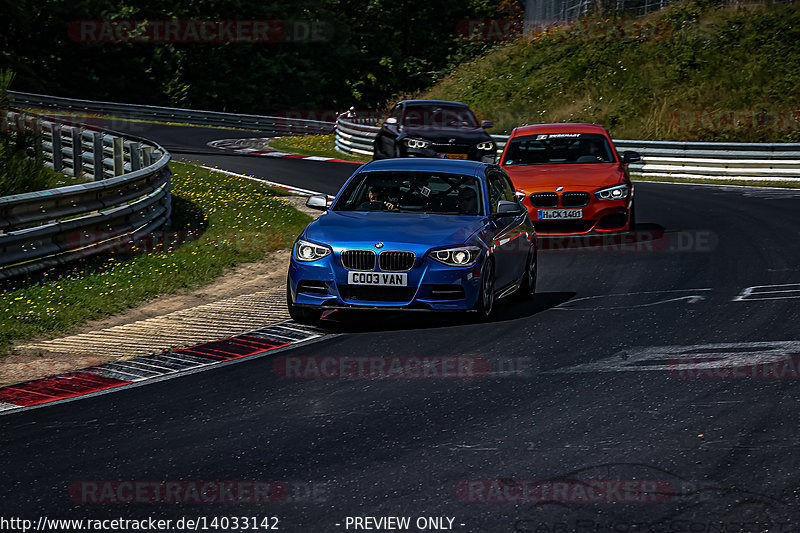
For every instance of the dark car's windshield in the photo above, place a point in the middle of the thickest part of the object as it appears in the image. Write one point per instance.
(558, 148)
(416, 192)
(440, 116)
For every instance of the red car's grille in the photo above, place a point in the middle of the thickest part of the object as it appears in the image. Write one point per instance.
(574, 199)
(544, 199)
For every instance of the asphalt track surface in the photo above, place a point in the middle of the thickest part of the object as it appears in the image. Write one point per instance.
(578, 393)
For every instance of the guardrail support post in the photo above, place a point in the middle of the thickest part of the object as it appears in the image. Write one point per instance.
(119, 156)
(147, 155)
(38, 151)
(77, 152)
(58, 161)
(97, 152)
(136, 156)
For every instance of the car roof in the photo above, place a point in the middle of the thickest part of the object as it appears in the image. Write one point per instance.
(415, 103)
(559, 127)
(452, 166)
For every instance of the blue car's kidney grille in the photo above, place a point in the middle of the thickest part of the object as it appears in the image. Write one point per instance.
(394, 261)
(358, 259)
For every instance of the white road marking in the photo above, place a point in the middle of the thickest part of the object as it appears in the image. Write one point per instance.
(690, 357)
(691, 298)
(786, 291)
(289, 188)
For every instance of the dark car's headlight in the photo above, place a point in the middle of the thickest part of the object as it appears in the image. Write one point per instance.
(461, 256)
(488, 145)
(617, 192)
(417, 144)
(308, 251)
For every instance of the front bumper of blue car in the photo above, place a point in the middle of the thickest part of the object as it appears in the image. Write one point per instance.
(431, 286)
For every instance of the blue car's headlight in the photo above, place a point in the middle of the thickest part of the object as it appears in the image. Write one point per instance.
(618, 192)
(308, 251)
(417, 144)
(461, 256)
(488, 145)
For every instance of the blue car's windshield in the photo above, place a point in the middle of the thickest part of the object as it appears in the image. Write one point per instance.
(417, 192)
(558, 148)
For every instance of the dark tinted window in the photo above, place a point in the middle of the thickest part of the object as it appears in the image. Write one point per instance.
(499, 189)
(557, 148)
(439, 117)
(417, 192)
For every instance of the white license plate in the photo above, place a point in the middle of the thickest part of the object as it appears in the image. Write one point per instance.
(382, 279)
(560, 214)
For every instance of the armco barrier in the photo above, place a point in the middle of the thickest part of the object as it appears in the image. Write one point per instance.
(660, 159)
(128, 197)
(263, 123)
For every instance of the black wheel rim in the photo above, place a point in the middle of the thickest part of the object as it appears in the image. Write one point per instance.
(487, 292)
(532, 276)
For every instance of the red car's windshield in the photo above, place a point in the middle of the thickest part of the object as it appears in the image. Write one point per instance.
(558, 148)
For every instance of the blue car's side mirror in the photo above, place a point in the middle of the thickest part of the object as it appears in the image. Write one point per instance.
(317, 201)
(508, 209)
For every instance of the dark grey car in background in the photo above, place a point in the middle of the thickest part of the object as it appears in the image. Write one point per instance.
(434, 128)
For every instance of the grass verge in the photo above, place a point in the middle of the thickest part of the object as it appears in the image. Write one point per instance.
(701, 72)
(319, 145)
(218, 221)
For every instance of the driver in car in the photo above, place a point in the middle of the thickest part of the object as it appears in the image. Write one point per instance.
(591, 151)
(377, 200)
(467, 201)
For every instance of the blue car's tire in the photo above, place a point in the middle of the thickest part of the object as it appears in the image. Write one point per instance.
(303, 315)
(527, 287)
(486, 298)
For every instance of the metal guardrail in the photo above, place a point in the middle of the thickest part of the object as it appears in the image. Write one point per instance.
(263, 123)
(128, 198)
(660, 159)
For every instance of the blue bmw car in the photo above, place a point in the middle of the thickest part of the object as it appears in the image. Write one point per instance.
(415, 234)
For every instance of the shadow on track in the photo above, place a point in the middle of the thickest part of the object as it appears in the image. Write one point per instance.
(369, 321)
(643, 236)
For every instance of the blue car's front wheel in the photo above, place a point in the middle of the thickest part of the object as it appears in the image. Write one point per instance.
(485, 303)
(527, 288)
(303, 315)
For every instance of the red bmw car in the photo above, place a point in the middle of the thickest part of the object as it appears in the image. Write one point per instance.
(572, 177)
